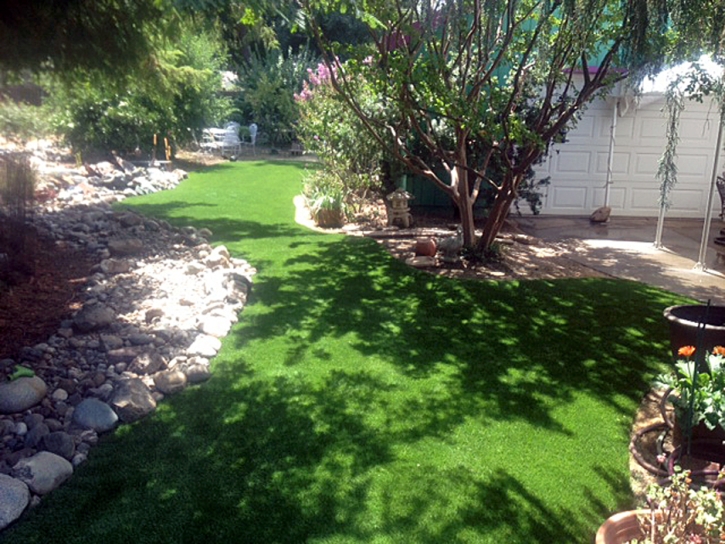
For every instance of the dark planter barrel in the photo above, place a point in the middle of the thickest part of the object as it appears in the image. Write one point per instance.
(684, 322)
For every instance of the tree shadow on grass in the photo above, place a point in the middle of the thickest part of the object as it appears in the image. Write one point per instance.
(524, 347)
(295, 457)
(256, 461)
(346, 376)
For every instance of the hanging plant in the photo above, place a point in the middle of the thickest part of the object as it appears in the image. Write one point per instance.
(667, 166)
(696, 83)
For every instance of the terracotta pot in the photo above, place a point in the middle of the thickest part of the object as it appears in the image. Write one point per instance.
(329, 218)
(425, 247)
(621, 528)
(685, 320)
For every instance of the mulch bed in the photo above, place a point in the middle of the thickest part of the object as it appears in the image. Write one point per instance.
(35, 301)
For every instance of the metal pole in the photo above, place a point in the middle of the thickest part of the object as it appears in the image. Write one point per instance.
(701, 265)
(660, 226)
(610, 163)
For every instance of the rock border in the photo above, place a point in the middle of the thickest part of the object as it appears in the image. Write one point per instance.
(151, 317)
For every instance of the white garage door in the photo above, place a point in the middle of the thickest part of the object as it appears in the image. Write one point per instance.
(578, 168)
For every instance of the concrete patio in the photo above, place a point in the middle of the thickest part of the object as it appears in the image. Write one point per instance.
(624, 248)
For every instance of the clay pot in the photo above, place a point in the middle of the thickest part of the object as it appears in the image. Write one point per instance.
(425, 247)
(684, 322)
(621, 528)
(329, 218)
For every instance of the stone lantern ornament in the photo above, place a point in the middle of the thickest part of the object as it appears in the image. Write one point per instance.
(399, 210)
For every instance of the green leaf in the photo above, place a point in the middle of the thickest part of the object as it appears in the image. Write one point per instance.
(22, 372)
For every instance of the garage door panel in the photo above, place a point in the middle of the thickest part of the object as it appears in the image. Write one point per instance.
(694, 163)
(625, 130)
(644, 199)
(646, 164)
(686, 200)
(651, 129)
(569, 197)
(620, 164)
(574, 162)
(617, 197)
(696, 130)
(584, 130)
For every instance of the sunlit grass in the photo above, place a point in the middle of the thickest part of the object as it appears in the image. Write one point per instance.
(361, 401)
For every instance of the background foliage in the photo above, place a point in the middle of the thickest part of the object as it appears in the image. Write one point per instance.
(174, 95)
(268, 84)
(109, 36)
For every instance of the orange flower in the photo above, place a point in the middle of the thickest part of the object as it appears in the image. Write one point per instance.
(686, 351)
(718, 350)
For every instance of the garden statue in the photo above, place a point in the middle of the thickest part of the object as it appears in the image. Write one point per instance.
(399, 209)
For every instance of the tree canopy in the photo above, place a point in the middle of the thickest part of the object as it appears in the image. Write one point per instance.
(64, 35)
(484, 87)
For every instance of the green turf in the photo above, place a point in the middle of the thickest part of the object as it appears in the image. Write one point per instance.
(359, 401)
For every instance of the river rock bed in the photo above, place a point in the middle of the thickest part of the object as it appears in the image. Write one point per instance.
(151, 316)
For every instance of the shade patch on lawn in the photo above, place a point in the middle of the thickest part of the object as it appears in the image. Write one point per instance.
(360, 401)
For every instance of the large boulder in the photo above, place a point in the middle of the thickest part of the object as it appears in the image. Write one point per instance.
(205, 346)
(20, 394)
(95, 414)
(43, 472)
(93, 317)
(132, 400)
(14, 497)
(170, 381)
(121, 247)
(60, 443)
(147, 363)
(601, 215)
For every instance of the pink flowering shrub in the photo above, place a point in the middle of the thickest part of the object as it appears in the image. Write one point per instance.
(315, 78)
(351, 159)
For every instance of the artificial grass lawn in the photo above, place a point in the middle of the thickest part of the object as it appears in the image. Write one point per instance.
(361, 401)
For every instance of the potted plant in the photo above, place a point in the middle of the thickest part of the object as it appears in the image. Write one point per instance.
(696, 390)
(696, 324)
(678, 513)
(326, 199)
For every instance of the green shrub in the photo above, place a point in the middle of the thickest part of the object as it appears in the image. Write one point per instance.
(267, 98)
(23, 121)
(174, 95)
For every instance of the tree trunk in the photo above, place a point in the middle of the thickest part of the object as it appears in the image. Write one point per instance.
(465, 206)
(501, 206)
(462, 189)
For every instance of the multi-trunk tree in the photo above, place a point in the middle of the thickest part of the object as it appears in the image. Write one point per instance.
(482, 88)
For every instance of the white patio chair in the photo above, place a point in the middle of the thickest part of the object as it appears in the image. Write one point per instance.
(233, 125)
(253, 137)
(210, 143)
(231, 144)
